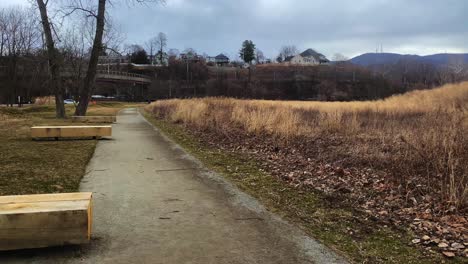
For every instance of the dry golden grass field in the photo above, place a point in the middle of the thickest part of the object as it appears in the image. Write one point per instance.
(428, 127)
(402, 160)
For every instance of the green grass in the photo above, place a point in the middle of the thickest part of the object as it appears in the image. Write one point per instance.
(339, 227)
(31, 167)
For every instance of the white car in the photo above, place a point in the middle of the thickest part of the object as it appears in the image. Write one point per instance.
(68, 101)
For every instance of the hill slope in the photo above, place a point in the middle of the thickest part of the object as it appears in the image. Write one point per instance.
(392, 58)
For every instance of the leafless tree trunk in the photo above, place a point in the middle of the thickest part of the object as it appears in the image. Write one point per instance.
(88, 85)
(158, 43)
(97, 48)
(3, 35)
(54, 67)
(151, 46)
(162, 43)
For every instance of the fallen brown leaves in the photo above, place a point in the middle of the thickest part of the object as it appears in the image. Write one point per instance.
(329, 165)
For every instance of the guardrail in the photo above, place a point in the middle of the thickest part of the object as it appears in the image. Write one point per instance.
(126, 74)
(104, 74)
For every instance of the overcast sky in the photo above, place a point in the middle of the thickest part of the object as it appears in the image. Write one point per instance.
(350, 27)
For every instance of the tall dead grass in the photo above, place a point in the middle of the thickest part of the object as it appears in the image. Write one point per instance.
(423, 132)
(44, 100)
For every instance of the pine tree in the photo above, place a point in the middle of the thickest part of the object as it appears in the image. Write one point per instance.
(247, 52)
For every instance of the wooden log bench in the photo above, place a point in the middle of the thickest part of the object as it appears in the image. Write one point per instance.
(70, 131)
(94, 119)
(44, 220)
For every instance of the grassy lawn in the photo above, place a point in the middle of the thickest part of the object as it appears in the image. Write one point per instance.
(359, 238)
(31, 167)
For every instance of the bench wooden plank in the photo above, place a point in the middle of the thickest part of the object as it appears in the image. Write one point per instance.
(94, 119)
(43, 220)
(70, 131)
(49, 197)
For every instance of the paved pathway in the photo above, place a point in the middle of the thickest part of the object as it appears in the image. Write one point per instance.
(153, 203)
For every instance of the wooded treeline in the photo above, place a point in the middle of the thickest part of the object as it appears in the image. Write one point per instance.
(28, 67)
(325, 82)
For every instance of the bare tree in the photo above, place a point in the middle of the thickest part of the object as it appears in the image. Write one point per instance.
(3, 31)
(338, 57)
(259, 56)
(112, 39)
(287, 51)
(99, 14)
(455, 70)
(457, 67)
(88, 84)
(156, 46)
(162, 44)
(151, 46)
(53, 58)
(96, 13)
(173, 52)
(190, 52)
(74, 49)
(19, 35)
(132, 48)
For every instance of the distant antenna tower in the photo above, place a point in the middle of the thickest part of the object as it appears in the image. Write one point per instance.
(379, 48)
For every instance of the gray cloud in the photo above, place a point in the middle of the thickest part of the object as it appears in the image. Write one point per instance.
(347, 26)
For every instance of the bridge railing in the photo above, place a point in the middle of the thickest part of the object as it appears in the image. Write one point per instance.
(126, 74)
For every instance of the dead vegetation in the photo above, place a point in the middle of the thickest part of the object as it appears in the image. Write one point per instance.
(44, 100)
(402, 161)
(30, 167)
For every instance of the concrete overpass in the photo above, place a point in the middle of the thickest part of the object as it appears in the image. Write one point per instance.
(115, 76)
(102, 75)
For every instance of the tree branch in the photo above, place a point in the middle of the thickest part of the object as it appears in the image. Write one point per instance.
(90, 13)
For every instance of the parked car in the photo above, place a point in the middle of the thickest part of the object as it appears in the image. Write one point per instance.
(68, 101)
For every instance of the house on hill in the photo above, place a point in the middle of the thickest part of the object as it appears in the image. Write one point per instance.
(191, 56)
(308, 57)
(221, 60)
(312, 55)
(298, 60)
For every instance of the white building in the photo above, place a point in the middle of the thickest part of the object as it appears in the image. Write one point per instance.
(307, 58)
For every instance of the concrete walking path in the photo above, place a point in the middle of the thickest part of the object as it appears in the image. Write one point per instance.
(153, 203)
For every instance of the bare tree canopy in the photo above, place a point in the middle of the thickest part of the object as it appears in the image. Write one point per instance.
(161, 42)
(339, 57)
(19, 31)
(259, 56)
(151, 47)
(156, 47)
(97, 13)
(173, 52)
(287, 51)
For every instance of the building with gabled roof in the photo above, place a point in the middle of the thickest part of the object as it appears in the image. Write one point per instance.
(317, 57)
(221, 60)
(308, 57)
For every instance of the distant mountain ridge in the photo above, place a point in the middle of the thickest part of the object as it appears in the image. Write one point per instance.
(392, 58)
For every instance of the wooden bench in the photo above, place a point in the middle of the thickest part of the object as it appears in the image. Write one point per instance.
(70, 131)
(94, 119)
(44, 220)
